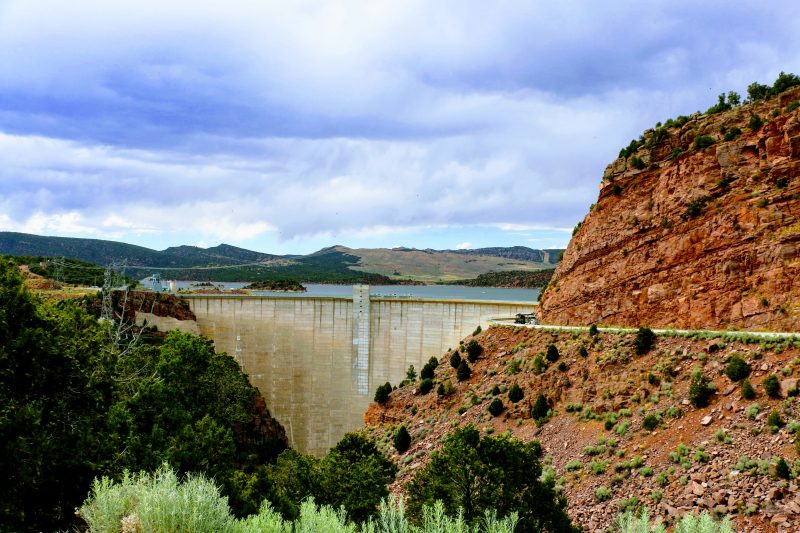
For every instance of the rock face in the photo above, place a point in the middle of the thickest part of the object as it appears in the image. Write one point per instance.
(708, 238)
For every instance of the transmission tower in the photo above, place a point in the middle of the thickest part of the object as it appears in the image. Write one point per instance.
(58, 269)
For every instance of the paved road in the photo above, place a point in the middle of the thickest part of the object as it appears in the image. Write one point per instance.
(710, 332)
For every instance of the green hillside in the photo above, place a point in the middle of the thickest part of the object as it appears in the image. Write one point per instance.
(336, 264)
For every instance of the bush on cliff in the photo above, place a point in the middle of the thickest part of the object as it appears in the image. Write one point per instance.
(645, 338)
(455, 360)
(737, 368)
(463, 372)
(700, 389)
(747, 391)
(402, 440)
(496, 407)
(474, 350)
(477, 473)
(425, 386)
(540, 408)
(427, 370)
(772, 386)
(552, 353)
(382, 393)
(515, 393)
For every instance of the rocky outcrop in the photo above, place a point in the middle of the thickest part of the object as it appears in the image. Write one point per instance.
(623, 432)
(690, 237)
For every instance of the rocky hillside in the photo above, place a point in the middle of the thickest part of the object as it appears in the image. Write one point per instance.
(622, 432)
(697, 226)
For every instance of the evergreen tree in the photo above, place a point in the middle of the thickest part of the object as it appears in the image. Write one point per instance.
(463, 372)
(402, 440)
(477, 474)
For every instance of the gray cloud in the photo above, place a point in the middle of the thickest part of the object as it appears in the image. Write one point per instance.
(334, 118)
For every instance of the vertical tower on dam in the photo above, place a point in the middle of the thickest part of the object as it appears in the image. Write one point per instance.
(317, 360)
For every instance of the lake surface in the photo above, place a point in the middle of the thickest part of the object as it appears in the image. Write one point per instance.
(432, 292)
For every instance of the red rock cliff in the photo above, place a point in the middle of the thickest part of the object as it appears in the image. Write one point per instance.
(709, 238)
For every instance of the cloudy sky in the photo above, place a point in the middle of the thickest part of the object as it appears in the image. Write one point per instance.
(287, 126)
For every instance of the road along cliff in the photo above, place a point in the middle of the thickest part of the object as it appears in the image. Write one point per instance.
(697, 225)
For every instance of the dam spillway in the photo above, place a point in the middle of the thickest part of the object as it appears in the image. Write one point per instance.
(318, 360)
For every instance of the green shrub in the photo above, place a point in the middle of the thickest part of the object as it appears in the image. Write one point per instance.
(562, 366)
(752, 411)
(455, 360)
(602, 494)
(478, 473)
(515, 393)
(593, 330)
(463, 372)
(637, 163)
(757, 91)
(158, 502)
(746, 390)
(675, 153)
(583, 352)
(630, 522)
(695, 207)
(540, 408)
(382, 393)
(427, 370)
(651, 422)
(737, 368)
(775, 420)
(783, 82)
(629, 504)
(552, 353)
(402, 440)
(720, 106)
(477, 331)
(474, 350)
(700, 389)
(645, 338)
(631, 148)
(722, 436)
(513, 367)
(598, 467)
(539, 365)
(496, 407)
(573, 465)
(495, 390)
(732, 133)
(772, 386)
(755, 122)
(700, 456)
(425, 386)
(782, 470)
(703, 141)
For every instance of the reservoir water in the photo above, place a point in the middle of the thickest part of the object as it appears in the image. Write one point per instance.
(431, 292)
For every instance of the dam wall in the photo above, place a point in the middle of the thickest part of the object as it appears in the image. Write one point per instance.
(318, 360)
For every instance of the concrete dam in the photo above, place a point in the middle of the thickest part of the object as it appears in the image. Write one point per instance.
(318, 360)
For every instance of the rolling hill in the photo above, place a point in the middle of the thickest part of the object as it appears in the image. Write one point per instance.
(337, 264)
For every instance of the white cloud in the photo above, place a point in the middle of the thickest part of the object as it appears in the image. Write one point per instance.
(464, 246)
(309, 119)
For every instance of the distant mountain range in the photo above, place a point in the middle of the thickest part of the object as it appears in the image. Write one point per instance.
(337, 264)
